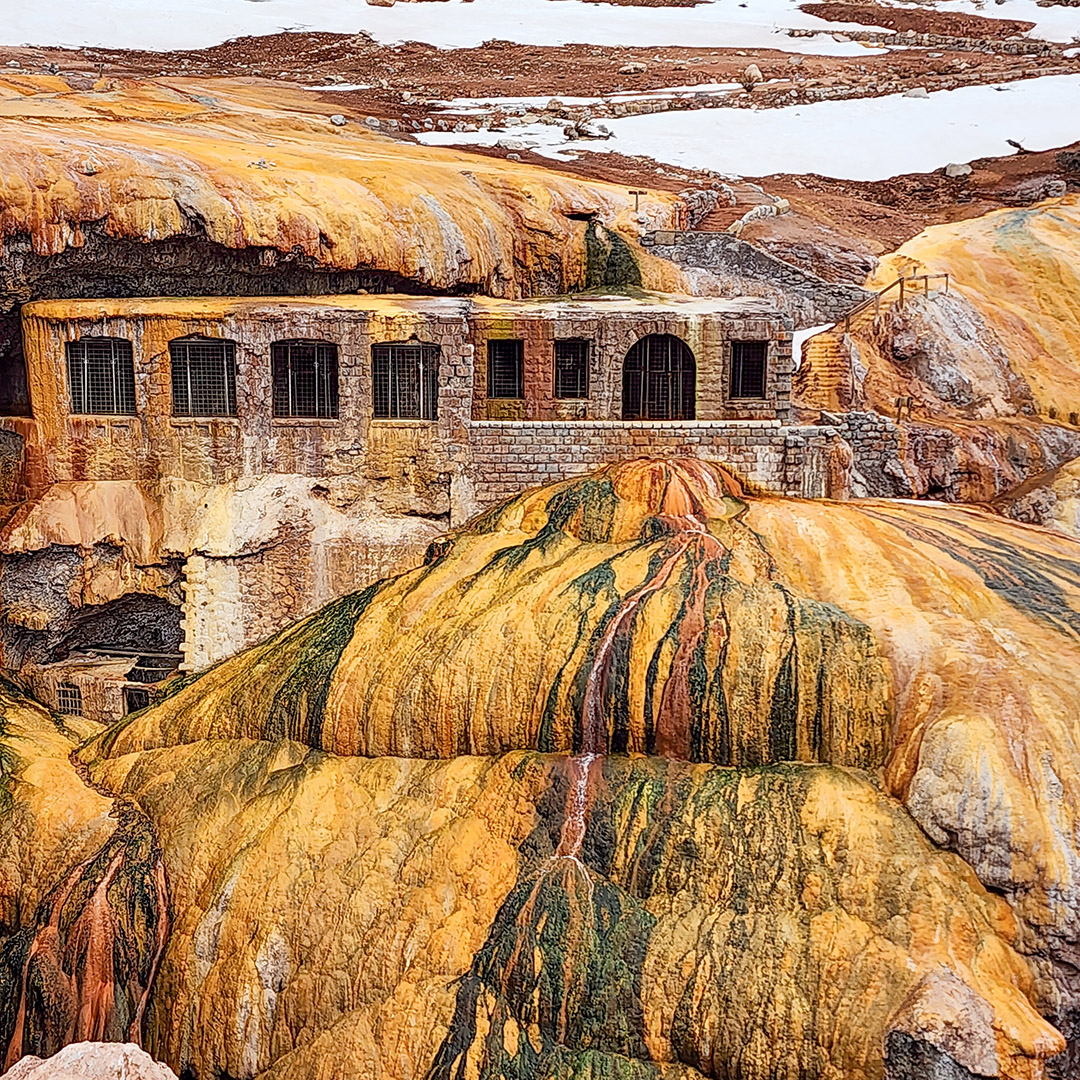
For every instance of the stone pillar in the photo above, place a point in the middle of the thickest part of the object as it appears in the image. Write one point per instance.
(212, 612)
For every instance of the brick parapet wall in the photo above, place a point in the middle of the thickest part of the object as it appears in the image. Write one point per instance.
(507, 456)
(877, 446)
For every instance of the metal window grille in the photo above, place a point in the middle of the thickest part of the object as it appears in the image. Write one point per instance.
(748, 369)
(506, 369)
(101, 376)
(572, 368)
(305, 379)
(69, 699)
(659, 380)
(203, 377)
(405, 381)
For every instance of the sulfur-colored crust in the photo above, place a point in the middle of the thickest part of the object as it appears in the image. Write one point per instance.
(1017, 268)
(382, 860)
(393, 917)
(50, 815)
(147, 159)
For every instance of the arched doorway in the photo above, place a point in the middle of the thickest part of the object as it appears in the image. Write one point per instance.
(659, 380)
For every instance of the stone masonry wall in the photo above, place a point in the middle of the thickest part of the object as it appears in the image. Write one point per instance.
(727, 255)
(507, 456)
(611, 339)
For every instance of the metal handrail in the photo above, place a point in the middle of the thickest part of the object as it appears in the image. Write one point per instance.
(903, 283)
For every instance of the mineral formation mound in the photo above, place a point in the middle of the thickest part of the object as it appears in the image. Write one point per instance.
(640, 775)
(988, 359)
(132, 188)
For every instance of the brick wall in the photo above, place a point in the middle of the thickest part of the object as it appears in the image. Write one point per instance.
(507, 456)
(611, 338)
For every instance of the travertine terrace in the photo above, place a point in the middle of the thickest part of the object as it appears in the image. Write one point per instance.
(492, 588)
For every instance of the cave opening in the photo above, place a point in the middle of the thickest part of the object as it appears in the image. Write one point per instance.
(14, 385)
(143, 626)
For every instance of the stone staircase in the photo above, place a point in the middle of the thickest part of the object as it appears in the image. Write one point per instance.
(825, 378)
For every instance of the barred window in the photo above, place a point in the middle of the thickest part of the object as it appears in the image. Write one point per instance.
(748, 369)
(69, 699)
(101, 376)
(659, 380)
(572, 368)
(305, 379)
(405, 381)
(506, 369)
(203, 376)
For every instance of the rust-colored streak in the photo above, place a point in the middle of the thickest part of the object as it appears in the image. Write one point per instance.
(96, 948)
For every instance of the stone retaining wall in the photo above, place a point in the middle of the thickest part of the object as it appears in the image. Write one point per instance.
(507, 456)
(727, 255)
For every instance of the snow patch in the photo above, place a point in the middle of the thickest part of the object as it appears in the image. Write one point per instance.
(195, 24)
(854, 139)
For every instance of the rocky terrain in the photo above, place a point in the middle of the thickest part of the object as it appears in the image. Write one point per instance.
(494, 904)
(643, 775)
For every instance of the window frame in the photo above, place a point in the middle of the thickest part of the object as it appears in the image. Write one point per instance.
(228, 360)
(66, 694)
(326, 387)
(737, 378)
(518, 360)
(386, 404)
(648, 362)
(584, 374)
(121, 361)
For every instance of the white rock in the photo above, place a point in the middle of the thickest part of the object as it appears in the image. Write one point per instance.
(338, 120)
(916, 92)
(635, 67)
(954, 169)
(92, 1061)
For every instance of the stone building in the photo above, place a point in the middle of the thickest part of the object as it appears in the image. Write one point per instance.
(196, 473)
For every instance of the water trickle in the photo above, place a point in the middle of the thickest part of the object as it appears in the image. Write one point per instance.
(573, 829)
(683, 516)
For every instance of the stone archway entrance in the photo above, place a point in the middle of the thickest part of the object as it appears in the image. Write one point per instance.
(659, 380)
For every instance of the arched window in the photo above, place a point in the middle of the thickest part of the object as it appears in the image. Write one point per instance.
(203, 376)
(305, 379)
(405, 381)
(101, 376)
(659, 380)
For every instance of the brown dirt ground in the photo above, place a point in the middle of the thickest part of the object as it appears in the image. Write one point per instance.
(501, 68)
(943, 23)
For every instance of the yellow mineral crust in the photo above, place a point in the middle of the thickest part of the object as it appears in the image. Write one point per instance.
(48, 816)
(332, 916)
(656, 607)
(1019, 268)
(260, 165)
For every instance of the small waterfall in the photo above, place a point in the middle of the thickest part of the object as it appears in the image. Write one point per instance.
(683, 514)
